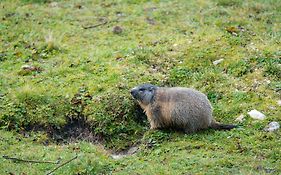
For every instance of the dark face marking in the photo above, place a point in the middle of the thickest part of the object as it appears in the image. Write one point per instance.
(144, 93)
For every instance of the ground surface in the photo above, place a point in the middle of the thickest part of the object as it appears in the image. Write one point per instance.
(66, 70)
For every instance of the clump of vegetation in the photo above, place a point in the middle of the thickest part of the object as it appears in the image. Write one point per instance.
(117, 119)
(240, 68)
(29, 109)
(272, 67)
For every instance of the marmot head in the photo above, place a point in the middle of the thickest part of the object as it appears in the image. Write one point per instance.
(144, 93)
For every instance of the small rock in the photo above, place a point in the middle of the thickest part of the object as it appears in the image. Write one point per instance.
(217, 61)
(240, 118)
(279, 102)
(256, 115)
(117, 30)
(272, 126)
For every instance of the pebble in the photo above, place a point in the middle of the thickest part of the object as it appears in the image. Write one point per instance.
(217, 61)
(272, 126)
(255, 114)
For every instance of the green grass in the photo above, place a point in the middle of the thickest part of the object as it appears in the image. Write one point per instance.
(85, 75)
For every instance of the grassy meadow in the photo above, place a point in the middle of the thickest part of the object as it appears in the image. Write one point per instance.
(66, 68)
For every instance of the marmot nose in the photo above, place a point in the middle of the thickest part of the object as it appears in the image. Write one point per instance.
(133, 92)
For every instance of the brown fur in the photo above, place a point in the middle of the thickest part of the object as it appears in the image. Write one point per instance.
(181, 108)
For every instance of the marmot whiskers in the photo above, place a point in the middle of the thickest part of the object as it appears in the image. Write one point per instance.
(176, 107)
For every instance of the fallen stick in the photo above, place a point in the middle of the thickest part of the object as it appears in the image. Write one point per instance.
(99, 24)
(61, 165)
(94, 26)
(29, 161)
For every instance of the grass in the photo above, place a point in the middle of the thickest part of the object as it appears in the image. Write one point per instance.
(84, 75)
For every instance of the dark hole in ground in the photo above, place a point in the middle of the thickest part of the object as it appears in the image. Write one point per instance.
(78, 128)
(75, 129)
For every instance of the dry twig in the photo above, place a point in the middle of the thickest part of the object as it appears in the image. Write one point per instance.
(99, 24)
(61, 165)
(94, 26)
(29, 161)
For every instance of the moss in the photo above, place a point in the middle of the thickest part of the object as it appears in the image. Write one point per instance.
(85, 76)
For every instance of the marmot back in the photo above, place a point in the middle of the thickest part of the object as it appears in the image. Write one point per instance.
(177, 107)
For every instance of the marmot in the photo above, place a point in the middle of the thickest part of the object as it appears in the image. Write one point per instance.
(176, 107)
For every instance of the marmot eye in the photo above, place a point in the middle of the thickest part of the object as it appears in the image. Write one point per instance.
(142, 90)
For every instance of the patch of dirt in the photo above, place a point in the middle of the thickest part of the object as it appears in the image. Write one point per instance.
(74, 130)
(78, 130)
